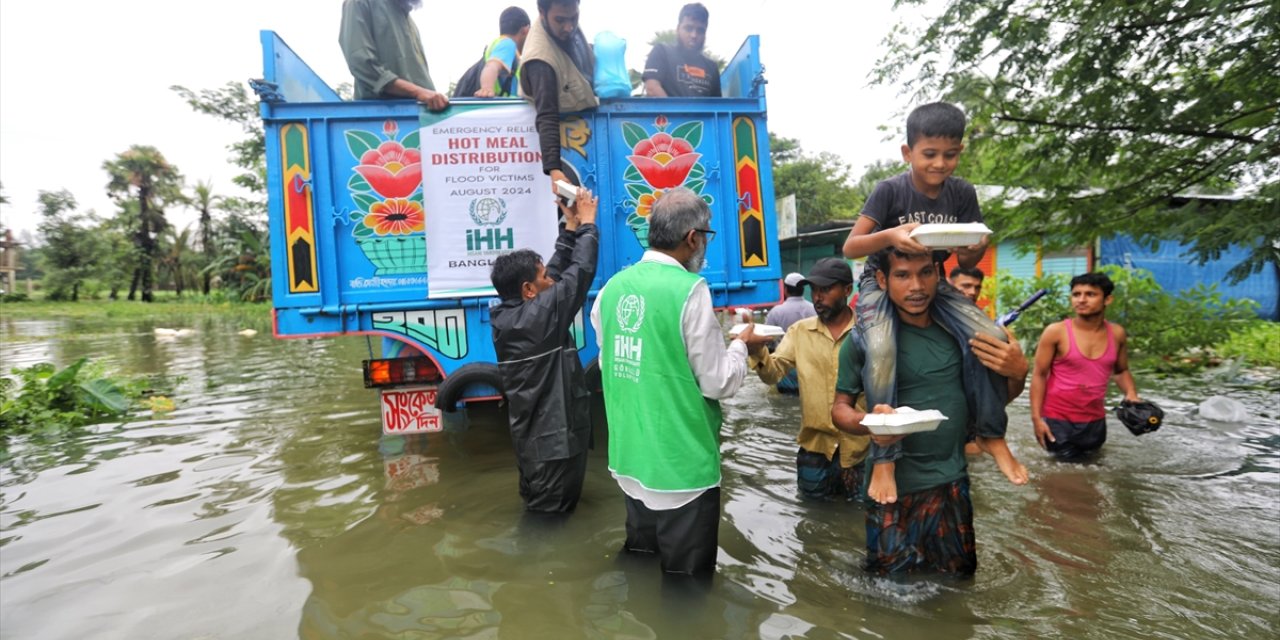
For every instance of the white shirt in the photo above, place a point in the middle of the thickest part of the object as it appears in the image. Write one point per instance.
(718, 370)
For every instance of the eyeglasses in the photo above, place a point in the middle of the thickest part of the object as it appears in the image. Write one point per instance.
(706, 232)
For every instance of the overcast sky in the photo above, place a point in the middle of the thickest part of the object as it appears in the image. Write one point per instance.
(82, 80)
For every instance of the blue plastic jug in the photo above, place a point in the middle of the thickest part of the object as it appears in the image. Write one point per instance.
(612, 79)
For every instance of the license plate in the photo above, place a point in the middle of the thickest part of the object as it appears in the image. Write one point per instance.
(410, 410)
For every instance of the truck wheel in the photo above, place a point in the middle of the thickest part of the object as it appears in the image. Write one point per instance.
(450, 391)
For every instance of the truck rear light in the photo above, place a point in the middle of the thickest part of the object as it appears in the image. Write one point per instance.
(394, 372)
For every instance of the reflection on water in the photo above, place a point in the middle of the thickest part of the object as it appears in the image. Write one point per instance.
(267, 506)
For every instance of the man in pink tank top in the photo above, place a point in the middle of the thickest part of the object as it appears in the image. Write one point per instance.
(1075, 361)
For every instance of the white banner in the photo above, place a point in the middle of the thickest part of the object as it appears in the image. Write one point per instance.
(484, 194)
(787, 217)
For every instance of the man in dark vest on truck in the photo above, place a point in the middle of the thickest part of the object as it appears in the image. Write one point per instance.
(558, 67)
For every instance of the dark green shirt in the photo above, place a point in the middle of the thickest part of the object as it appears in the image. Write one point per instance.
(381, 44)
(929, 377)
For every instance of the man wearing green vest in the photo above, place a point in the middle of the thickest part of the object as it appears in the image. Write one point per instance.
(384, 52)
(558, 68)
(664, 367)
(501, 75)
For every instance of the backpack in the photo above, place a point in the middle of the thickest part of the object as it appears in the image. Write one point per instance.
(469, 83)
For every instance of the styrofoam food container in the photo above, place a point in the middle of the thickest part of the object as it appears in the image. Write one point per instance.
(945, 236)
(768, 330)
(906, 420)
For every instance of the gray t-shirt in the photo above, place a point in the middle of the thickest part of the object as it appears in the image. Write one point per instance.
(896, 202)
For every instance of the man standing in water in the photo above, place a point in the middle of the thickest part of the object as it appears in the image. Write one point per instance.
(829, 462)
(1074, 362)
(928, 524)
(665, 368)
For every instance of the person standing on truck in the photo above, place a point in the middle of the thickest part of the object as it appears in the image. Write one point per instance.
(664, 368)
(548, 402)
(928, 526)
(683, 71)
(829, 461)
(792, 310)
(1076, 359)
(558, 68)
(500, 77)
(384, 52)
(927, 192)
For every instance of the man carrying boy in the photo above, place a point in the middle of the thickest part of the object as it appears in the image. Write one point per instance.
(542, 377)
(929, 524)
(829, 462)
(927, 193)
(1075, 360)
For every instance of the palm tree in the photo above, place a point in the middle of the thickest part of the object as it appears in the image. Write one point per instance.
(143, 177)
(176, 247)
(205, 201)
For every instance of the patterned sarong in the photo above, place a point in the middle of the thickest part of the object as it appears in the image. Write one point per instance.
(930, 530)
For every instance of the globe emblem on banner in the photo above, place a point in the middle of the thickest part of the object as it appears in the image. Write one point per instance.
(631, 313)
(488, 211)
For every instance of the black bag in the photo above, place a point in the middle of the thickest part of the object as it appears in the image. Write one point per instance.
(469, 83)
(1140, 417)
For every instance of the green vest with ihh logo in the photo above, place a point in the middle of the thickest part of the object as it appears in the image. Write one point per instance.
(662, 431)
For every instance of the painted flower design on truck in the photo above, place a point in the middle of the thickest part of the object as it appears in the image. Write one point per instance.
(391, 170)
(395, 217)
(664, 161)
(386, 188)
(660, 161)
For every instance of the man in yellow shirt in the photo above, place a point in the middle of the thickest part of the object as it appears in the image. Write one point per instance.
(829, 462)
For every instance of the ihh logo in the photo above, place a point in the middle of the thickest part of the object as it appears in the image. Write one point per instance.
(491, 239)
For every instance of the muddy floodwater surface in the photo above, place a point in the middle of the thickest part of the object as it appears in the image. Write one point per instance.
(268, 505)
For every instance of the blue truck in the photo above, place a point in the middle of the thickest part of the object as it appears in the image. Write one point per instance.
(371, 204)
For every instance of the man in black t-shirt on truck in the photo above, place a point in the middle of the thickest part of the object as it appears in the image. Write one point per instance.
(682, 71)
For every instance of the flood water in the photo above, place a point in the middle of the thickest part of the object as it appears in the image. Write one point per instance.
(267, 505)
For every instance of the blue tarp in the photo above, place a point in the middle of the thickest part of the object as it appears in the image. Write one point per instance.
(1175, 268)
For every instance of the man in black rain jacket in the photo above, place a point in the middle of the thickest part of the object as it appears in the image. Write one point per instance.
(548, 401)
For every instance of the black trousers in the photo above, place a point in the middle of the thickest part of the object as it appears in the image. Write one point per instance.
(685, 539)
(552, 486)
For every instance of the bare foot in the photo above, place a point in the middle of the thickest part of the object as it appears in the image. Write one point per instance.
(972, 449)
(1009, 466)
(883, 487)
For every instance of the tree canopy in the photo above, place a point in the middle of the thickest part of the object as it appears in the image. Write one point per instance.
(1100, 114)
(820, 182)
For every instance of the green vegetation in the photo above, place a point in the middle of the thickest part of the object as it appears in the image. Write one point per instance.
(1101, 114)
(1166, 332)
(165, 304)
(43, 398)
(1256, 343)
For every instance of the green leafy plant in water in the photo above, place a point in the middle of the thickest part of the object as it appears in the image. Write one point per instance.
(41, 397)
(1257, 342)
